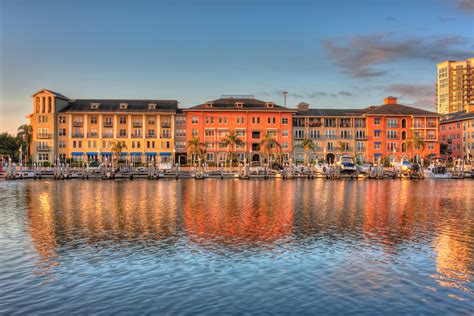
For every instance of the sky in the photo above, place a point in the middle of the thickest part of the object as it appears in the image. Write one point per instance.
(328, 53)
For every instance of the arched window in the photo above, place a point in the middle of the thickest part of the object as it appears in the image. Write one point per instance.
(49, 104)
(404, 123)
(37, 104)
(404, 135)
(43, 105)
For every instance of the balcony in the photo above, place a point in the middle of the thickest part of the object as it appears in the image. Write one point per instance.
(137, 136)
(165, 135)
(108, 124)
(137, 124)
(151, 136)
(107, 135)
(92, 135)
(43, 136)
(165, 124)
(43, 148)
(78, 135)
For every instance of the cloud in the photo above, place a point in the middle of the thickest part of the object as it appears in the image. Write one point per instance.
(420, 95)
(345, 93)
(362, 56)
(466, 5)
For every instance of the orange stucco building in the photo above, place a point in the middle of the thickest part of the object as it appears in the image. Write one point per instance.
(252, 120)
(390, 130)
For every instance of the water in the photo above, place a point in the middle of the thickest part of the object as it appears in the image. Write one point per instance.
(230, 246)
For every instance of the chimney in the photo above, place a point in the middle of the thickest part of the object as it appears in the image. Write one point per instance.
(390, 100)
(303, 107)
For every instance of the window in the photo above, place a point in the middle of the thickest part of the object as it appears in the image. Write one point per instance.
(392, 134)
(392, 123)
(123, 106)
(95, 106)
(194, 132)
(209, 133)
(151, 120)
(240, 133)
(431, 146)
(284, 133)
(62, 132)
(151, 106)
(122, 119)
(377, 146)
(62, 144)
(62, 119)
(255, 134)
(377, 134)
(93, 119)
(194, 120)
(284, 145)
(377, 121)
(123, 132)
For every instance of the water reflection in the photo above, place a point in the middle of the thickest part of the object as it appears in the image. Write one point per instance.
(397, 221)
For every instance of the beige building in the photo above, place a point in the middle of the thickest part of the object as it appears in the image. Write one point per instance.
(455, 86)
(87, 129)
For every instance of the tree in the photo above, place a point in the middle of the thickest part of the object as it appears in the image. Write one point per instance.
(196, 148)
(415, 143)
(232, 140)
(117, 149)
(341, 147)
(9, 146)
(308, 146)
(269, 145)
(25, 136)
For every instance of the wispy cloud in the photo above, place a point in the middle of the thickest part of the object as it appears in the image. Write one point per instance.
(466, 5)
(309, 95)
(362, 56)
(420, 95)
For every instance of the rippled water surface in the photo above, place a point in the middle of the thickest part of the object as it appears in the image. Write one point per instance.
(230, 246)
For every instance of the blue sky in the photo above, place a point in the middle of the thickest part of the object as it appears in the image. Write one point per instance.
(329, 53)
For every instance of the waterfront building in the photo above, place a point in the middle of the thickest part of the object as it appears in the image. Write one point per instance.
(87, 129)
(252, 120)
(455, 86)
(332, 131)
(457, 134)
(180, 137)
(398, 131)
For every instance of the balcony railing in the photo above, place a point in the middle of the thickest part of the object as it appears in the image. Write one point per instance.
(361, 137)
(151, 136)
(315, 136)
(137, 136)
(78, 135)
(92, 135)
(346, 136)
(165, 135)
(43, 136)
(331, 136)
(78, 123)
(165, 124)
(43, 148)
(107, 135)
(108, 124)
(137, 124)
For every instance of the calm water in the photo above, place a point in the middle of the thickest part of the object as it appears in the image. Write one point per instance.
(234, 246)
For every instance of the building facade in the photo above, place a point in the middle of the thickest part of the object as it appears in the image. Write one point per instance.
(87, 129)
(391, 130)
(455, 85)
(457, 135)
(333, 132)
(252, 120)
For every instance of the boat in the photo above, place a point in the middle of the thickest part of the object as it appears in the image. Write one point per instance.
(437, 171)
(346, 165)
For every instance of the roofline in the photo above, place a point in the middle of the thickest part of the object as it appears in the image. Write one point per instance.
(239, 110)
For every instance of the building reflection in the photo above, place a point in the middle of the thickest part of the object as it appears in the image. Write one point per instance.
(222, 215)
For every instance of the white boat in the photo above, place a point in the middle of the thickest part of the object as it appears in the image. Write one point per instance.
(346, 164)
(437, 172)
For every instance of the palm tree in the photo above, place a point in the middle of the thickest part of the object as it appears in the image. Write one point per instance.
(25, 135)
(269, 144)
(308, 145)
(341, 147)
(415, 142)
(196, 148)
(232, 140)
(117, 149)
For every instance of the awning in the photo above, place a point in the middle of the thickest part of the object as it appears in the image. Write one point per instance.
(106, 154)
(135, 154)
(150, 154)
(377, 131)
(92, 154)
(377, 143)
(77, 153)
(123, 154)
(164, 154)
(377, 154)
